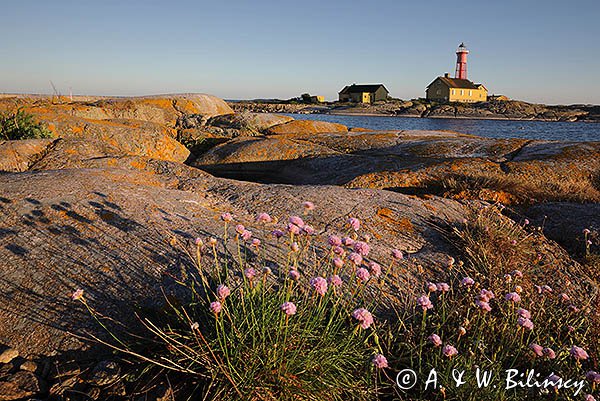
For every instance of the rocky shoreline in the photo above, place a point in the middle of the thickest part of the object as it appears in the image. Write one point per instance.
(493, 110)
(100, 205)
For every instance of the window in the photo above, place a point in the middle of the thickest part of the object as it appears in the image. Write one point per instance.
(461, 92)
(453, 91)
(470, 93)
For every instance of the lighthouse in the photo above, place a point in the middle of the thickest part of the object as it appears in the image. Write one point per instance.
(461, 62)
(459, 88)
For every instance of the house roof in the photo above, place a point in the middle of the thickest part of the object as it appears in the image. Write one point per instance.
(363, 88)
(456, 83)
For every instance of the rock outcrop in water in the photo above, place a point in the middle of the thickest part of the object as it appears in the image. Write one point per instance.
(507, 109)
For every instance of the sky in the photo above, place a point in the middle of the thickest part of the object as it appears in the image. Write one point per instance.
(541, 51)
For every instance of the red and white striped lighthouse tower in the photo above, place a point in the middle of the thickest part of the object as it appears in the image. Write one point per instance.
(461, 62)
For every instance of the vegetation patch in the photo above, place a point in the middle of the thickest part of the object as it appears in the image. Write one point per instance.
(21, 125)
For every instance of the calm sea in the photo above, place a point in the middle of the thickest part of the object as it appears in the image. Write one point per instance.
(560, 131)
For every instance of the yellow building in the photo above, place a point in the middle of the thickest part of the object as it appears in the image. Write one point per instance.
(446, 89)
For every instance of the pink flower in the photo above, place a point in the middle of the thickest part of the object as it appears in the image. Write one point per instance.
(362, 248)
(338, 250)
(212, 241)
(337, 262)
(288, 308)
(256, 242)
(424, 302)
(297, 221)
(537, 349)
(334, 240)
(589, 397)
(554, 379)
(215, 307)
(579, 353)
(573, 309)
(517, 273)
(295, 247)
(246, 235)
(524, 313)
(263, 218)
(277, 233)
(486, 295)
(308, 205)
(335, 280)
(525, 323)
(586, 231)
(77, 295)
(431, 287)
(593, 376)
(513, 297)
(467, 281)
(397, 254)
(435, 340)
(442, 287)
(364, 317)
(354, 223)
(240, 229)
(507, 278)
(223, 291)
(547, 288)
(294, 275)
(379, 361)
(250, 273)
(564, 297)
(319, 284)
(483, 305)
(348, 241)
(198, 242)
(363, 274)
(375, 269)
(549, 353)
(449, 351)
(309, 230)
(294, 229)
(355, 258)
(518, 289)
(227, 217)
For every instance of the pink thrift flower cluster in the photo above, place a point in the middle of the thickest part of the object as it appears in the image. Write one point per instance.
(364, 317)
(263, 218)
(579, 353)
(467, 282)
(424, 302)
(513, 297)
(375, 268)
(335, 280)
(379, 361)
(289, 308)
(354, 223)
(449, 351)
(435, 340)
(363, 274)
(223, 291)
(216, 307)
(319, 284)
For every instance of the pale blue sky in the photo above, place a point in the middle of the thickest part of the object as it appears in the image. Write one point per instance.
(546, 51)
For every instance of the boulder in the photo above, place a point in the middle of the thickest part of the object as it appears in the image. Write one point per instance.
(511, 171)
(306, 127)
(109, 231)
(159, 109)
(249, 123)
(18, 156)
(130, 137)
